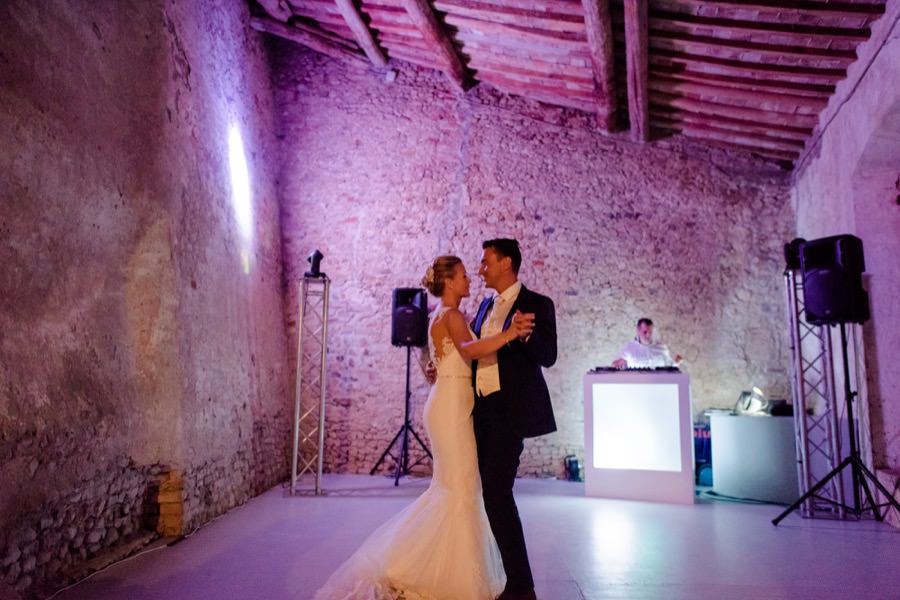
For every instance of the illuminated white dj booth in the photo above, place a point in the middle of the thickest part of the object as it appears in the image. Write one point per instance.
(638, 436)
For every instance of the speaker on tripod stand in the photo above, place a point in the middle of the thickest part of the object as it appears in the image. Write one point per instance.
(832, 271)
(409, 328)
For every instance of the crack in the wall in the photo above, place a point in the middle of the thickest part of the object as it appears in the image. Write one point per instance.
(181, 64)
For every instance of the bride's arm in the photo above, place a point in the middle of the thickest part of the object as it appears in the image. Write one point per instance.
(474, 348)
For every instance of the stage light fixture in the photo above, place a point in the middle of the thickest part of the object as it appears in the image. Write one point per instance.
(314, 260)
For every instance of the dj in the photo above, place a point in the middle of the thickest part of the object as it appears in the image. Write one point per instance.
(643, 352)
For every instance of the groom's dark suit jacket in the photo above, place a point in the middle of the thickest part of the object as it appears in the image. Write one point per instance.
(523, 391)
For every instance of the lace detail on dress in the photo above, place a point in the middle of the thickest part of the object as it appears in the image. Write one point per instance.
(446, 358)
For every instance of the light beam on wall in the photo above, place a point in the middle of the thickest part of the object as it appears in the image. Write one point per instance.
(240, 193)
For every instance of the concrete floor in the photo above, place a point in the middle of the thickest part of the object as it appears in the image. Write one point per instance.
(277, 547)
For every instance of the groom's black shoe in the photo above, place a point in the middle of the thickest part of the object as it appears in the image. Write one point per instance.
(508, 595)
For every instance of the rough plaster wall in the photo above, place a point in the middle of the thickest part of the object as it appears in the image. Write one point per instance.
(382, 177)
(851, 185)
(134, 336)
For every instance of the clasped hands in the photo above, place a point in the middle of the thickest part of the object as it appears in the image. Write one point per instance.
(522, 325)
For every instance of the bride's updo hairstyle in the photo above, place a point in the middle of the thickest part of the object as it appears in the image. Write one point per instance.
(442, 268)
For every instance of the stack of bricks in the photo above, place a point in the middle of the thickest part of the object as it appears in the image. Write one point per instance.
(171, 505)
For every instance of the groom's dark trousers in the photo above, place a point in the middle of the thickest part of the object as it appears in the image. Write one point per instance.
(503, 419)
(498, 460)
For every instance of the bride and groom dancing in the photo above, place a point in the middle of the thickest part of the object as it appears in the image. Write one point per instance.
(462, 538)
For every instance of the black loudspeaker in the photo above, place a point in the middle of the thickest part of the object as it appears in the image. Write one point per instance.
(832, 270)
(409, 322)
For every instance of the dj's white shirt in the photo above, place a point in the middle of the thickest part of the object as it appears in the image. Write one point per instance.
(637, 354)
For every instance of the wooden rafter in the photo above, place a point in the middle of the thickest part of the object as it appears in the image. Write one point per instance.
(661, 19)
(766, 100)
(598, 24)
(361, 32)
(525, 35)
(663, 114)
(279, 10)
(814, 74)
(636, 60)
(714, 110)
(816, 7)
(307, 37)
(789, 88)
(422, 15)
(682, 39)
(535, 19)
(747, 74)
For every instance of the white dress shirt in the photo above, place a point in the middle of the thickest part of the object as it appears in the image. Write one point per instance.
(487, 376)
(640, 355)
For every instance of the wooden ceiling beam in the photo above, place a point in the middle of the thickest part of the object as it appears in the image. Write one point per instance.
(739, 97)
(731, 136)
(712, 109)
(508, 15)
(583, 90)
(826, 75)
(524, 68)
(527, 34)
(280, 10)
(660, 113)
(403, 31)
(663, 19)
(422, 15)
(315, 41)
(636, 60)
(598, 25)
(549, 96)
(383, 16)
(390, 40)
(775, 86)
(810, 7)
(415, 56)
(739, 124)
(584, 95)
(361, 32)
(545, 48)
(336, 38)
(317, 10)
(844, 57)
(323, 20)
(551, 8)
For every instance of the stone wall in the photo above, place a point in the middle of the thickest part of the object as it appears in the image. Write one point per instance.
(382, 174)
(141, 317)
(850, 184)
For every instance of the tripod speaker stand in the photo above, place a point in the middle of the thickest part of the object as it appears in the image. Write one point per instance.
(860, 473)
(832, 287)
(409, 327)
(403, 464)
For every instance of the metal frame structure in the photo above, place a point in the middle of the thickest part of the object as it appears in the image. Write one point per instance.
(816, 412)
(309, 400)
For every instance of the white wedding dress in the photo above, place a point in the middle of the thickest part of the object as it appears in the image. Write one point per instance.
(440, 547)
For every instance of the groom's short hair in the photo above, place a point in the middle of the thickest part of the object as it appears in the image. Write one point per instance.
(506, 247)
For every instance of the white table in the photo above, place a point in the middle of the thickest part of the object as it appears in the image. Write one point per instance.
(754, 457)
(638, 436)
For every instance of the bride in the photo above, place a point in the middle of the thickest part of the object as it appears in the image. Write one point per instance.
(440, 547)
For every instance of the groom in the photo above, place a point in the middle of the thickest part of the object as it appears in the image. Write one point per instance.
(511, 401)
